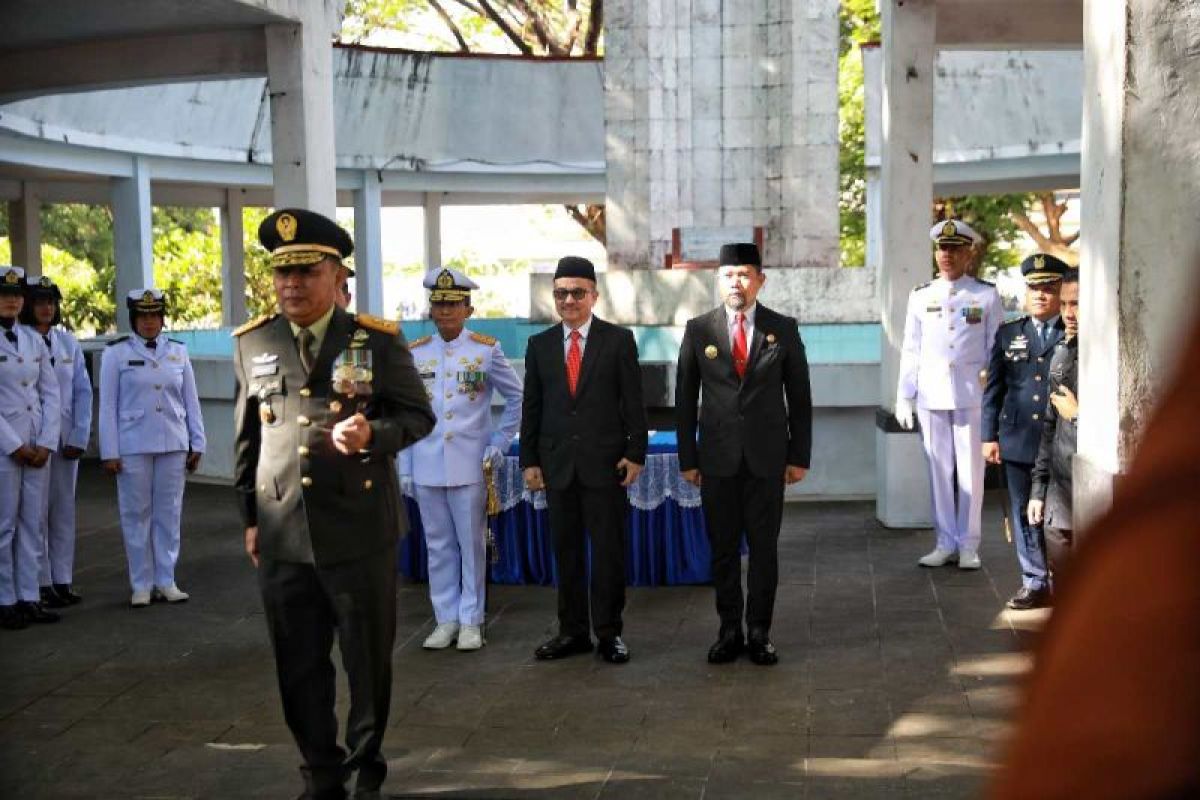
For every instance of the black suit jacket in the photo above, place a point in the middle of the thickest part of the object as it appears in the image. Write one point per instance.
(310, 502)
(765, 419)
(588, 434)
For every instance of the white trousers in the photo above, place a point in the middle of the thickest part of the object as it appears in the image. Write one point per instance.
(454, 519)
(150, 499)
(58, 523)
(22, 500)
(955, 456)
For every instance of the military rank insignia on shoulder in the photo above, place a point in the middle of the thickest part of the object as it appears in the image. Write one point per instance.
(252, 324)
(1018, 321)
(921, 286)
(483, 338)
(419, 342)
(118, 340)
(176, 341)
(986, 283)
(378, 324)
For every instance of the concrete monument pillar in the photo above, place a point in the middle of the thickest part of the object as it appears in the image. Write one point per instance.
(368, 244)
(133, 236)
(300, 83)
(906, 196)
(1140, 170)
(722, 114)
(433, 230)
(233, 261)
(25, 230)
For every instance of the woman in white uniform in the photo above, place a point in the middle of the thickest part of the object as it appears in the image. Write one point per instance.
(151, 436)
(28, 433)
(43, 314)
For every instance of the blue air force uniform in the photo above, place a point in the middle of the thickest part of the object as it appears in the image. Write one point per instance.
(75, 408)
(1014, 407)
(149, 419)
(29, 416)
(948, 334)
(446, 466)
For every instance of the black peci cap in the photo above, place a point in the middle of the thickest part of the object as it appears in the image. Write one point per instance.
(575, 267)
(734, 255)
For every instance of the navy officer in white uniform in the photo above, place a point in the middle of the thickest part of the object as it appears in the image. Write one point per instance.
(460, 370)
(43, 314)
(28, 433)
(151, 436)
(948, 333)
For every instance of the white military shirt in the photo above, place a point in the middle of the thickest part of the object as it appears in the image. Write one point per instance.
(74, 388)
(29, 399)
(459, 378)
(148, 400)
(948, 335)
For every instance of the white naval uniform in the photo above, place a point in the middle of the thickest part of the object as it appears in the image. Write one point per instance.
(446, 466)
(948, 335)
(149, 418)
(28, 416)
(75, 398)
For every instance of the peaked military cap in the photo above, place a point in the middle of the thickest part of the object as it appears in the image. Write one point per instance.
(575, 267)
(37, 286)
(297, 236)
(953, 231)
(734, 255)
(1043, 268)
(448, 285)
(146, 301)
(12, 279)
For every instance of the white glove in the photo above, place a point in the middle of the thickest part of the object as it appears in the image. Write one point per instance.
(905, 410)
(492, 455)
(406, 485)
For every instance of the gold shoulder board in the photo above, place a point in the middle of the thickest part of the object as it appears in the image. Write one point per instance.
(483, 338)
(378, 324)
(252, 324)
(419, 342)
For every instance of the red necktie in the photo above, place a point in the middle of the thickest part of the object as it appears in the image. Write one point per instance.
(574, 361)
(740, 350)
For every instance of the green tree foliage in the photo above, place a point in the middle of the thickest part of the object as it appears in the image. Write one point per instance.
(859, 24)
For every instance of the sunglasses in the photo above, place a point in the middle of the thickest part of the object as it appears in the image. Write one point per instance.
(574, 294)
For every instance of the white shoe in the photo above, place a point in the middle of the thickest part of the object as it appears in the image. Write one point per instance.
(140, 599)
(937, 558)
(470, 637)
(969, 559)
(442, 637)
(172, 594)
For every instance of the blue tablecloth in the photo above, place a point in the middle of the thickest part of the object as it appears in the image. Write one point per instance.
(667, 542)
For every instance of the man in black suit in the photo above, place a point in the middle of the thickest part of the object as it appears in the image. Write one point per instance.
(583, 440)
(755, 436)
(325, 400)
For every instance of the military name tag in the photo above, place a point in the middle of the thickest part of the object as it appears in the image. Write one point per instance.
(259, 370)
(3, 359)
(933, 309)
(138, 363)
(427, 376)
(68, 361)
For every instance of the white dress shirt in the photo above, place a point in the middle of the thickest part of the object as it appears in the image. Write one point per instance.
(583, 334)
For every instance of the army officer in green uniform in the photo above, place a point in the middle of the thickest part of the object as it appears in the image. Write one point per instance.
(325, 400)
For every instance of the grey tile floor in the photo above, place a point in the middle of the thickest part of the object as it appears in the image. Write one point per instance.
(894, 682)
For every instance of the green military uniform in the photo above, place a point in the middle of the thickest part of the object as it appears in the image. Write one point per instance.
(327, 522)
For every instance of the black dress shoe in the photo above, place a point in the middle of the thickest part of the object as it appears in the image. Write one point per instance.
(1027, 599)
(613, 650)
(65, 591)
(563, 646)
(33, 612)
(51, 598)
(728, 647)
(762, 652)
(11, 618)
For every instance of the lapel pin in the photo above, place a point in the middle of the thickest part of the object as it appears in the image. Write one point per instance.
(770, 338)
(710, 352)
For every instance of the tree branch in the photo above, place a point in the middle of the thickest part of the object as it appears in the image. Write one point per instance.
(591, 41)
(446, 18)
(513, 36)
(540, 29)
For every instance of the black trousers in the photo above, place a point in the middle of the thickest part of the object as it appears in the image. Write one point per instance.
(1059, 544)
(754, 505)
(603, 514)
(306, 606)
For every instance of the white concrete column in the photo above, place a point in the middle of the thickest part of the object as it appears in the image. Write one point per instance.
(906, 196)
(233, 261)
(25, 230)
(1140, 169)
(133, 235)
(300, 82)
(368, 244)
(433, 230)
